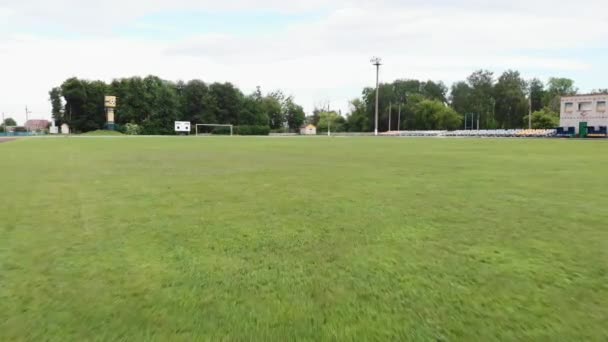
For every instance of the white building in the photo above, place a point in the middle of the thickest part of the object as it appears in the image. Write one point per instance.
(584, 108)
(308, 130)
(65, 129)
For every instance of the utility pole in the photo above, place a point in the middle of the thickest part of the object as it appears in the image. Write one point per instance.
(478, 115)
(390, 114)
(399, 120)
(328, 119)
(27, 113)
(377, 62)
(530, 110)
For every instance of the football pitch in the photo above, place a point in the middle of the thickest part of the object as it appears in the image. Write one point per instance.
(303, 239)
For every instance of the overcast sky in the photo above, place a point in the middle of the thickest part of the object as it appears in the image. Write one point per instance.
(316, 50)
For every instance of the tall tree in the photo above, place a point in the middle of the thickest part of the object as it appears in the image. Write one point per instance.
(56, 104)
(9, 122)
(227, 104)
(482, 100)
(84, 104)
(358, 120)
(511, 104)
(461, 98)
(543, 119)
(274, 110)
(537, 92)
(435, 115)
(331, 121)
(434, 91)
(556, 88)
(197, 103)
(295, 115)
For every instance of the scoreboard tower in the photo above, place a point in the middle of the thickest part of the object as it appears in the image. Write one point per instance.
(110, 104)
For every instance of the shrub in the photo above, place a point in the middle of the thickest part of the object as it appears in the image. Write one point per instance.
(543, 119)
(221, 130)
(252, 130)
(132, 129)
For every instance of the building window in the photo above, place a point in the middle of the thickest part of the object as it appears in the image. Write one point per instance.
(601, 106)
(569, 106)
(585, 106)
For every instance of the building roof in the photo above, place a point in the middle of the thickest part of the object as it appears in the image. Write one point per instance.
(36, 124)
(583, 95)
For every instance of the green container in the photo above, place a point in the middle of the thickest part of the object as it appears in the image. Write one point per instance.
(582, 130)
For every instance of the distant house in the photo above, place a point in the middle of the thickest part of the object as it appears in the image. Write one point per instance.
(308, 130)
(65, 129)
(36, 125)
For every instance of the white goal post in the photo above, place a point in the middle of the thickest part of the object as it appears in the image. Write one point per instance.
(213, 125)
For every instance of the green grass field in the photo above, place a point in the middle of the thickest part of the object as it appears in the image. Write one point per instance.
(303, 239)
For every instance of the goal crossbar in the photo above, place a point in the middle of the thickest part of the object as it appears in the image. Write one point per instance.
(214, 125)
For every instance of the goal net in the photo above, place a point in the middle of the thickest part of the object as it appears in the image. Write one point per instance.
(212, 129)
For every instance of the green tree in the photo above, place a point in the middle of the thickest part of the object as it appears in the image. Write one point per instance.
(543, 119)
(461, 98)
(56, 104)
(253, 112)
(9, 122)
(197, 103)
(435, 115)
(274, 111)
(227, 103)
(511, 103)
(331, 121)
(556, 88)
(482, 101)
(358, 120)
(537, 91)
(295, 115)
(434, 91)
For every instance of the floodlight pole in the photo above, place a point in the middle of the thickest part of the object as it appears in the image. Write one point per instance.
(27, 114)
(530, 109)
(377, 62)
(390, 113)
(399, 120)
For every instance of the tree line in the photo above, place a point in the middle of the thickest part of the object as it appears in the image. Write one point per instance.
(498, 103)
(153, 104)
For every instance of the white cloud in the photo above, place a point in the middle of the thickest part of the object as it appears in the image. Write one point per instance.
(322, 59)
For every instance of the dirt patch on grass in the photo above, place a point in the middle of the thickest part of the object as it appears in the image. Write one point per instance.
(3, 140)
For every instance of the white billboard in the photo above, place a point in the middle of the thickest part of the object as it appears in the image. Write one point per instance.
(182, 126)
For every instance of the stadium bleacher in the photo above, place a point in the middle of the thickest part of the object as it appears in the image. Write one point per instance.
(600, 132)
(484, 133)
(562, 132)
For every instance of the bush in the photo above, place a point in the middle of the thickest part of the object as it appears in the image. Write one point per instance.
(252, 130)
(221, 130)
(132, 129)
(282, 130)
(543, 119)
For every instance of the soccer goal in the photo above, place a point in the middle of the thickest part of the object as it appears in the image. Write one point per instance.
(207, 129)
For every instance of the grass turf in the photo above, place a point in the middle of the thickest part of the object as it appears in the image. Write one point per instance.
(100, 133)
(308, 239)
